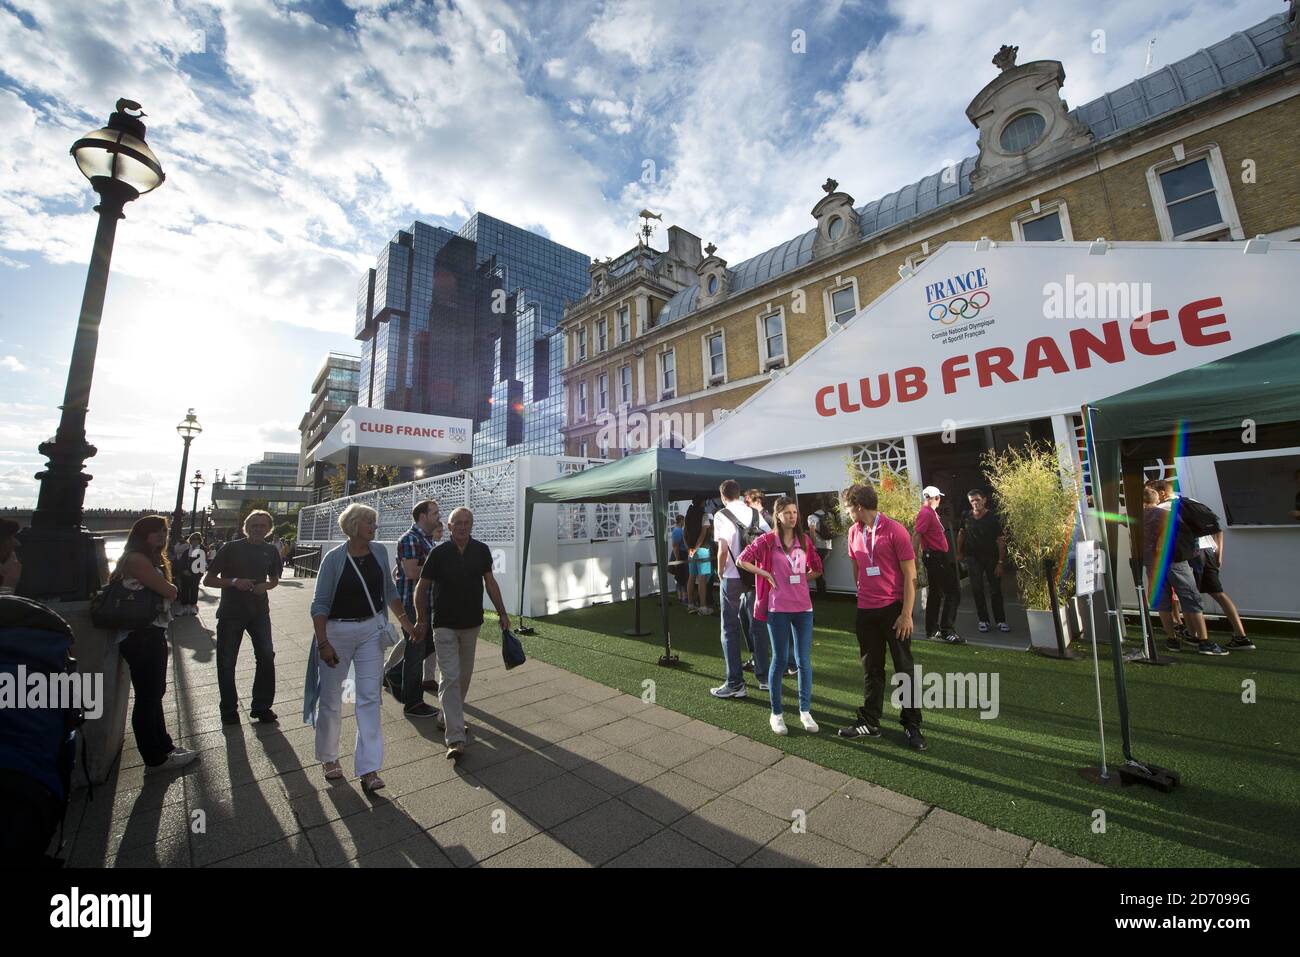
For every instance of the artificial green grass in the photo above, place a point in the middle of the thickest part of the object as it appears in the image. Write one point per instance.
(1237, 805)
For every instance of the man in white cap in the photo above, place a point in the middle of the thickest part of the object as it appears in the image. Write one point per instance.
(943, 593)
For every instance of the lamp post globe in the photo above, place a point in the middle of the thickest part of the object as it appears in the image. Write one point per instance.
(187, 429)
(196, 483)
(63, 560)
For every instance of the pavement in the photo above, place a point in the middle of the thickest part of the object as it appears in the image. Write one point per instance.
(560, 771)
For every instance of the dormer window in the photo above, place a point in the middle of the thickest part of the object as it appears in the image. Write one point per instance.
(713, 285)
(835, 229)
(1022, 132)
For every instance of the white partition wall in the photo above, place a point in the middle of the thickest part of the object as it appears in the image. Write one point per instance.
(580, 555)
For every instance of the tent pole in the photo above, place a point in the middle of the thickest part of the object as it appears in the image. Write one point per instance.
(521, 628)
(659, 507)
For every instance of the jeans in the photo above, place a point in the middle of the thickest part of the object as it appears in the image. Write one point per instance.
(982, 570)
(456, 666)
(230, 634)
(145, 651)
(407, 667)
(943, 594)
(875, 628)
(356, 643)
(788, 629)
(736, 603)
(821, 579)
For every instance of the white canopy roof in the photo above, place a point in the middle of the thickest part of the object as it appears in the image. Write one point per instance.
(385, 437)
(993, 332)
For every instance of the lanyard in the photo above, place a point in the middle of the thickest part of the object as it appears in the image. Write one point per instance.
(796, 545)
(870, 549)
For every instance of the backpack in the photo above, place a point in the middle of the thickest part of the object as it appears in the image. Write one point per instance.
(748, 535)
(820, 533)
(38, 746)
(1198, 517)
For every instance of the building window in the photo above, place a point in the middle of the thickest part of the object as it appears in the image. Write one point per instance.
(602, 392)
(624, 324)
(582, 343)
(582, 449)
(1048, 224)
(835, 228)
(625, 384)
(713, 285)
(872, 459)
(771, 330)
(844, 303)
(1192, 198)
(1022, 132)
(582, 399)
(668, 374)
(715, 359)
(602, 339)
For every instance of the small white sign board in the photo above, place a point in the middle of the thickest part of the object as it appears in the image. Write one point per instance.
(1087, 569)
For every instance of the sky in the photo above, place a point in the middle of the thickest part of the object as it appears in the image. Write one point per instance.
(298, 137)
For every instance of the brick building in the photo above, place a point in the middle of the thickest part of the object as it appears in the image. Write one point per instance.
(1201, 150)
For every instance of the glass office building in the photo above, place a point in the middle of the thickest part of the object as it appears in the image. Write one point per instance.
(464, 324)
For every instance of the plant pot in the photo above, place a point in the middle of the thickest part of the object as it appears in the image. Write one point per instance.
(1041, 632)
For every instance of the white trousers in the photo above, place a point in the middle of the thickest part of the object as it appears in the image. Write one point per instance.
(456, 663)
(356, 643)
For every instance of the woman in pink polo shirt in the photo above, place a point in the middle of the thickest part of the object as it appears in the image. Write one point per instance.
(783, 562)
(884, 566)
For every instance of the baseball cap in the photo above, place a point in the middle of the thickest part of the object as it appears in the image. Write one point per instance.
(931, 492)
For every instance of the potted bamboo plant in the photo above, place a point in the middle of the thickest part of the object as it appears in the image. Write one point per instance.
(899, 498)
(1037, 498)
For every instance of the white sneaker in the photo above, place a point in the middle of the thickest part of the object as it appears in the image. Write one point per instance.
(178, 758)
(706, 610)
(778, 724)
(809, 724)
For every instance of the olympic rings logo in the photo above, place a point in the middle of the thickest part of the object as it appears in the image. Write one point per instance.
(959, 308)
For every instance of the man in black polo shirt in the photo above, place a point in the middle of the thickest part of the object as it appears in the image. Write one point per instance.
(245, 570)
(457, 571)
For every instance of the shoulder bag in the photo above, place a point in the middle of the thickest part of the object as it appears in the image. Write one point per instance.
(388, 633)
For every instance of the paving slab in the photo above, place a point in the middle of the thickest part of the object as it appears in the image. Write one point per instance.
(730, 828)
(606, 831)
(668, 797)
(669, 849)
(481, 833)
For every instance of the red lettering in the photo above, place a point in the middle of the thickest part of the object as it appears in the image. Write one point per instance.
(847, 404)
(820, 401)
(1110, 347)
(996, 361)
(951, 372)
(1193, 323)
(864, 386)
(1142, 338)
(1041, 353)
(910, 384)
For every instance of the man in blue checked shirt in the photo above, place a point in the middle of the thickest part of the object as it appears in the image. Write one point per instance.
(406, 663)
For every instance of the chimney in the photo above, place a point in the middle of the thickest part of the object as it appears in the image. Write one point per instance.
(684, 247)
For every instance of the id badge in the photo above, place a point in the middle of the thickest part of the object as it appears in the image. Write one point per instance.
(873, 571)
(795, 579)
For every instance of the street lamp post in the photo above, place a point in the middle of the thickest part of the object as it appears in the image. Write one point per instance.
(187, 430)
(61, 558)
(196, 483)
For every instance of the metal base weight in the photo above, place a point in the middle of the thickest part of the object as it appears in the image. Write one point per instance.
(669, 660)
(1066, 655)
(61, 564)
(1144, 660)
(1093, 776)
(635, 633)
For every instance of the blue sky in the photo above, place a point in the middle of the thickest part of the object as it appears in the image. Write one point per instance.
(299, 136)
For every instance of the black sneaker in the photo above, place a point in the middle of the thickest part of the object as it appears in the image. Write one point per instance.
(420, 710)
(748, 665)
(1173, 644)
(1182, 634)
(230, 719)
(1241, 643)
(266, 716)
(860, 731)
(916, 740)
(952, 638)
(935, 636)
(1209, 648)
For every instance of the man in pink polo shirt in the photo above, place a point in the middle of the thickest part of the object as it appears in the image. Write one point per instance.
(943, 594)
(884, 567)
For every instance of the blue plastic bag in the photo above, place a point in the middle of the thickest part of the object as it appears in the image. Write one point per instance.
(512, 650)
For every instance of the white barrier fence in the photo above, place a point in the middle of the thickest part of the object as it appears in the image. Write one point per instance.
(580, 554)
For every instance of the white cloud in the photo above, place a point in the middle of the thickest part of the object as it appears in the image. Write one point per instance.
(12, 364)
